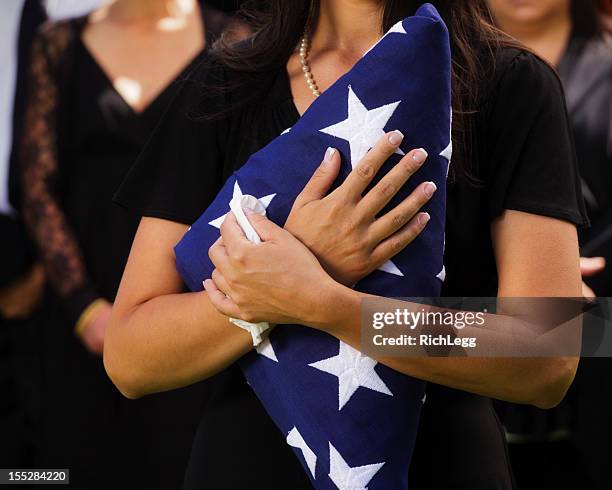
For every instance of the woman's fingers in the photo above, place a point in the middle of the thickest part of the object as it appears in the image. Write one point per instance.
(321, 181)
(220, 282)
(394, 244)
(591, 266)
(220, 301)
(399, 216)
(265, 228)
(218, 255)
(370, 164)
(231, 232)
(390, 184)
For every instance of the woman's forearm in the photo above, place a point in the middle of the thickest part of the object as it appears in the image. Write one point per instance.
(537, 381)
(160, 337)
(168, 342)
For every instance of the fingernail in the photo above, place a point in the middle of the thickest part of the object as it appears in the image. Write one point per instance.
(329, 153)
(419, 156)
(429, 189)
(396, 137)
(424, 218)
(248, 211)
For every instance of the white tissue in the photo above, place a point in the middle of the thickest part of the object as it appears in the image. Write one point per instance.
(237, 205)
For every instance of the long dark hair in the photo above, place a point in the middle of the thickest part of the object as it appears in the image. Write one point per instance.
(277, 26)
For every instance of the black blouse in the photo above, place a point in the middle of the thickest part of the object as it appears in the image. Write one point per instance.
(523, 159)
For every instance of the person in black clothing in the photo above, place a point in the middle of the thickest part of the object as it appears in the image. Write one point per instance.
(98, 86)
(514, 198)
(21, 281)
(570, 446)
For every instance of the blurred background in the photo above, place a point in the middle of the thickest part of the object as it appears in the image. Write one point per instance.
(78, 99)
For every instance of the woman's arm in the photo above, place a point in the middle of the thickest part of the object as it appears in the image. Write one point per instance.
(536, 256)
(43, 215)
(160, 337)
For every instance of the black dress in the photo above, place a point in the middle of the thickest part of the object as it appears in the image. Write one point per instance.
(80, 138)
(523, 158)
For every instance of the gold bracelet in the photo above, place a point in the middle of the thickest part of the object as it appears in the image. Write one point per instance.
(88, 314)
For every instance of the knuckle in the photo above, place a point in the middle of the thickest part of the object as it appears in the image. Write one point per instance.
(399, 220)
(319, 174)
(239, 255)
(224, 225)
(410, 206)
(212, 252)
(387, 189)
(216, 277)
(238, 299)
(247, 315)
(365, 170)
(359, 249)
(386, 146)
(349, 225)
(415, 230)
(334, 207)
(397, 245)
(409, 165)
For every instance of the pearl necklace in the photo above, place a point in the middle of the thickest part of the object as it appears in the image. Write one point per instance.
(304, 48)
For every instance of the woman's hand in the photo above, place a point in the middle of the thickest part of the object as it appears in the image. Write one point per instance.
(94, 331)
(278, 280)
(589, 267)
(343, 229)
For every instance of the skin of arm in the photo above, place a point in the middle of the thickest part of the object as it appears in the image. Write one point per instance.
(245, 271)
(161, 338)
(520, 241)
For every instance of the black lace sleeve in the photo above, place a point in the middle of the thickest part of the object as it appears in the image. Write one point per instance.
(56, 243)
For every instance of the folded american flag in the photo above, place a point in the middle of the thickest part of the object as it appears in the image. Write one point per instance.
(351, 421)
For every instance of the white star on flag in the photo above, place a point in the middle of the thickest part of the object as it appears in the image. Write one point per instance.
(347, 478)
(448, 151)
(295, 439)
(266, 349)
(442, 274)
(265, 201)
(362, 129)
(396, 29)
(353, 370)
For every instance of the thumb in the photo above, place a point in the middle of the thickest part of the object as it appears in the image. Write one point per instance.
(266, 229)
(321, 181)
(589, 266)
